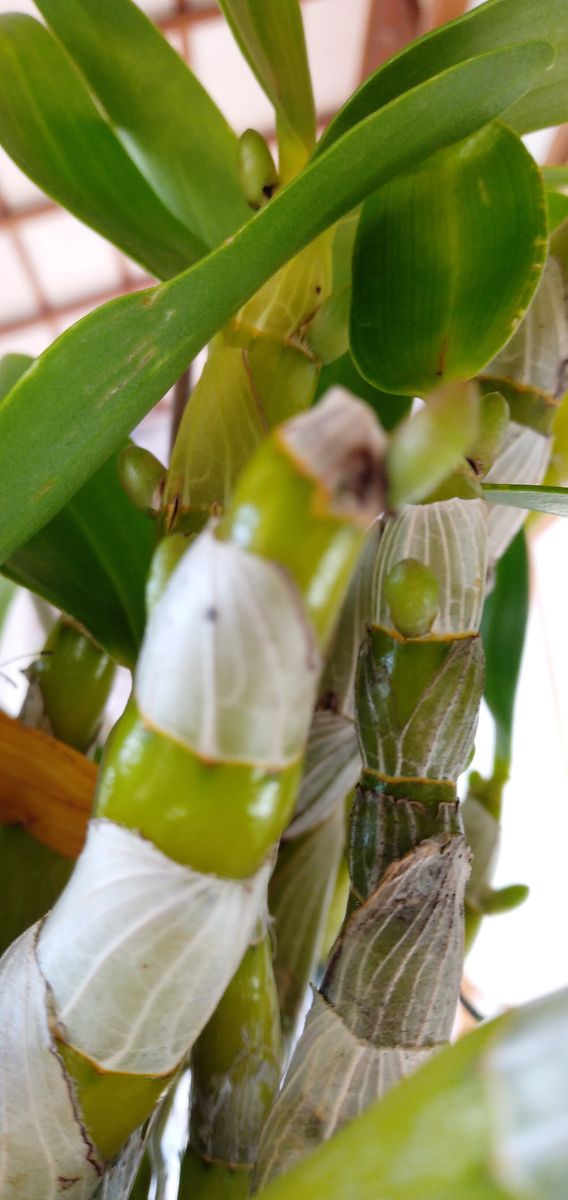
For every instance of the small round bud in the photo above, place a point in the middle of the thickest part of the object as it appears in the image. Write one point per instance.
(412, 593)
(257, 174)
(142, 477)
(493, 420)
(74, 677)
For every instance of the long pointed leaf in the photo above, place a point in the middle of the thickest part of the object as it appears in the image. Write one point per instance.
(493, 24)
(550, 500)
(271, 37)
(99, 378)
(447, 259)
(503, 631)
(54, 131)
(12, 367)
(7, 593)
(92, 559)
(164, 117)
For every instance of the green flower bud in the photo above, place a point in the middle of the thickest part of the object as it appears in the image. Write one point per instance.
(257, 174)
(493, 421)
(75, 678)
(142, 477)
(412, 593)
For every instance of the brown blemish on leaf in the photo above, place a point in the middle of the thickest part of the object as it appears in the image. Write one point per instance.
(47, 487)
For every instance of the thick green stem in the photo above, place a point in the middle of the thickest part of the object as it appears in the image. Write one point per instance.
(147, 936)
(211, 1181)
(299, 896)
(259, 373)
(304, 878)
(236, 1065)
(389, 994)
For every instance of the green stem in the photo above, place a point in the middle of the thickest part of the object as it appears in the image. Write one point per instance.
(211, 1181)
(196, 786)
(236, 1065)
(304, 878)
(259, 372)
(417, 703)
(141, 1188)
(299, 896)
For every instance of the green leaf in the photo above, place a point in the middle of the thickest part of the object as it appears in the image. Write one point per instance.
(503, 631)
(164, 117)
(557, 204)
(141, 1186)
(446, 262)
(390, 408)
(12, 367)
(92, 386)
(33, 876)
(483, 1120)
(505, 899)
(533, 497)
(219, 432)
(556, 178)
(424, 449)
(556, 184)
(7, 593)
(92, 559)
(492, 25)
(54, 131)
(270, 34)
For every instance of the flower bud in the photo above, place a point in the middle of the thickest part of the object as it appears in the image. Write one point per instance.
(412, 593)
(257, 174)
(142, 477)
(493, 422)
